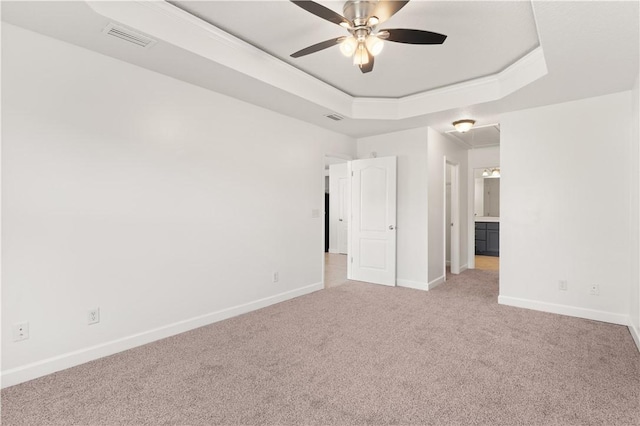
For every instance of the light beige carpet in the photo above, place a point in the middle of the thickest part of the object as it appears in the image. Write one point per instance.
(358, 354)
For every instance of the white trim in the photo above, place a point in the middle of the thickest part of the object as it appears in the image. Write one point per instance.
(464, 268)
(334, 251)
(435, 283)
(571, 311)
(635, 333)
(344, 157)
(455, 217)
(71, 359)
(412, 284)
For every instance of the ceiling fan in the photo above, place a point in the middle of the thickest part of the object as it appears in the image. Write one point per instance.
(361, 18)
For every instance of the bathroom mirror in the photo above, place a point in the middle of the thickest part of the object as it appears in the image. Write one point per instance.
(487, 192)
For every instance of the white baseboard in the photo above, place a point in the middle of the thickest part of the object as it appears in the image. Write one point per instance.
(435, 283)
(464, 268)
(71, 359)
(412, 284)
(571, 311)
(447, 263)
(635, 333)
(333, 250)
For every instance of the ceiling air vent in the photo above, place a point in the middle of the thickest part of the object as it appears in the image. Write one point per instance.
(127, 35)
(334, 117)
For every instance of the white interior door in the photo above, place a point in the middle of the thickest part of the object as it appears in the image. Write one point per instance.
(338, 236)
(343, 214)
(452, 218)
(372, 242)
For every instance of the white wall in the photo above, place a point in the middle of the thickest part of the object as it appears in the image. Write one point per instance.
(164, 204)
(634, 311)
(555, 161)
(439, 148)
(410, 147)
(484, 158)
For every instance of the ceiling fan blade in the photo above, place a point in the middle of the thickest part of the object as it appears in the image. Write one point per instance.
(385, 9)
(317, 47)
(404, 35)
(322, 12)
(369, 66)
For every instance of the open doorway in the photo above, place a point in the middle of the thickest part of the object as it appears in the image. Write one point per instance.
(336, 220)
(487, 218)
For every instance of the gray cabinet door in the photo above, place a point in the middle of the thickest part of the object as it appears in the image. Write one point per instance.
(493, 242)
(488, 238)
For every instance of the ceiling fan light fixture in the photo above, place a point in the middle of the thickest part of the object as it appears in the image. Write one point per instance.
(361, 19)
(374, 44)
(348, 46)
(463, 126)
(361, 56)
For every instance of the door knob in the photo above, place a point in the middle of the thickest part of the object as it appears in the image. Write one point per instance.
(391, 227)
(340, 220)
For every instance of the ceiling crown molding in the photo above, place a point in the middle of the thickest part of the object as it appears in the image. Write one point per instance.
(166, 22)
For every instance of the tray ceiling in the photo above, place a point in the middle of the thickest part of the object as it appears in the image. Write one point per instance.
(580, 63)
(484, 38)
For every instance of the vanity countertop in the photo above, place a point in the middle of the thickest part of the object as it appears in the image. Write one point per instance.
(487, 219)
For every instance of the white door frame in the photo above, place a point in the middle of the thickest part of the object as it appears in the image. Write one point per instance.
(455, 217)
(471, 213)
(338, 208)
(327, 159)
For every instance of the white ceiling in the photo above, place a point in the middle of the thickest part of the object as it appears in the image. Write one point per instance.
(483, 38)
(590, 49)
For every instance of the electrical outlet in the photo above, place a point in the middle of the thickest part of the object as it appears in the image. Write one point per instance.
(20, 331)
(594, 290)
(276, 276)
(562, 285)
(93, 316)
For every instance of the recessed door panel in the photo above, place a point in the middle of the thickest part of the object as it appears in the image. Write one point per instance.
(373, 254)
(373, 214)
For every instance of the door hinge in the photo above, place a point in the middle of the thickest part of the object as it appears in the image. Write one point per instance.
(351, 173)
(351, 259)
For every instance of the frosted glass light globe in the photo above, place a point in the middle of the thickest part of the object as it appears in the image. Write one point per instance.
(361, 57)
(348, 46)
(374, 44)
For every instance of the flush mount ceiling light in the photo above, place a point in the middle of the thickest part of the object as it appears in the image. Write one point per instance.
(463, 126)
(365, 41)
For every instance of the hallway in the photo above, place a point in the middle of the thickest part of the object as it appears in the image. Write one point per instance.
(335, 269)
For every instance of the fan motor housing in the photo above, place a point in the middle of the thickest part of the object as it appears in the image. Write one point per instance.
(359, 11)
